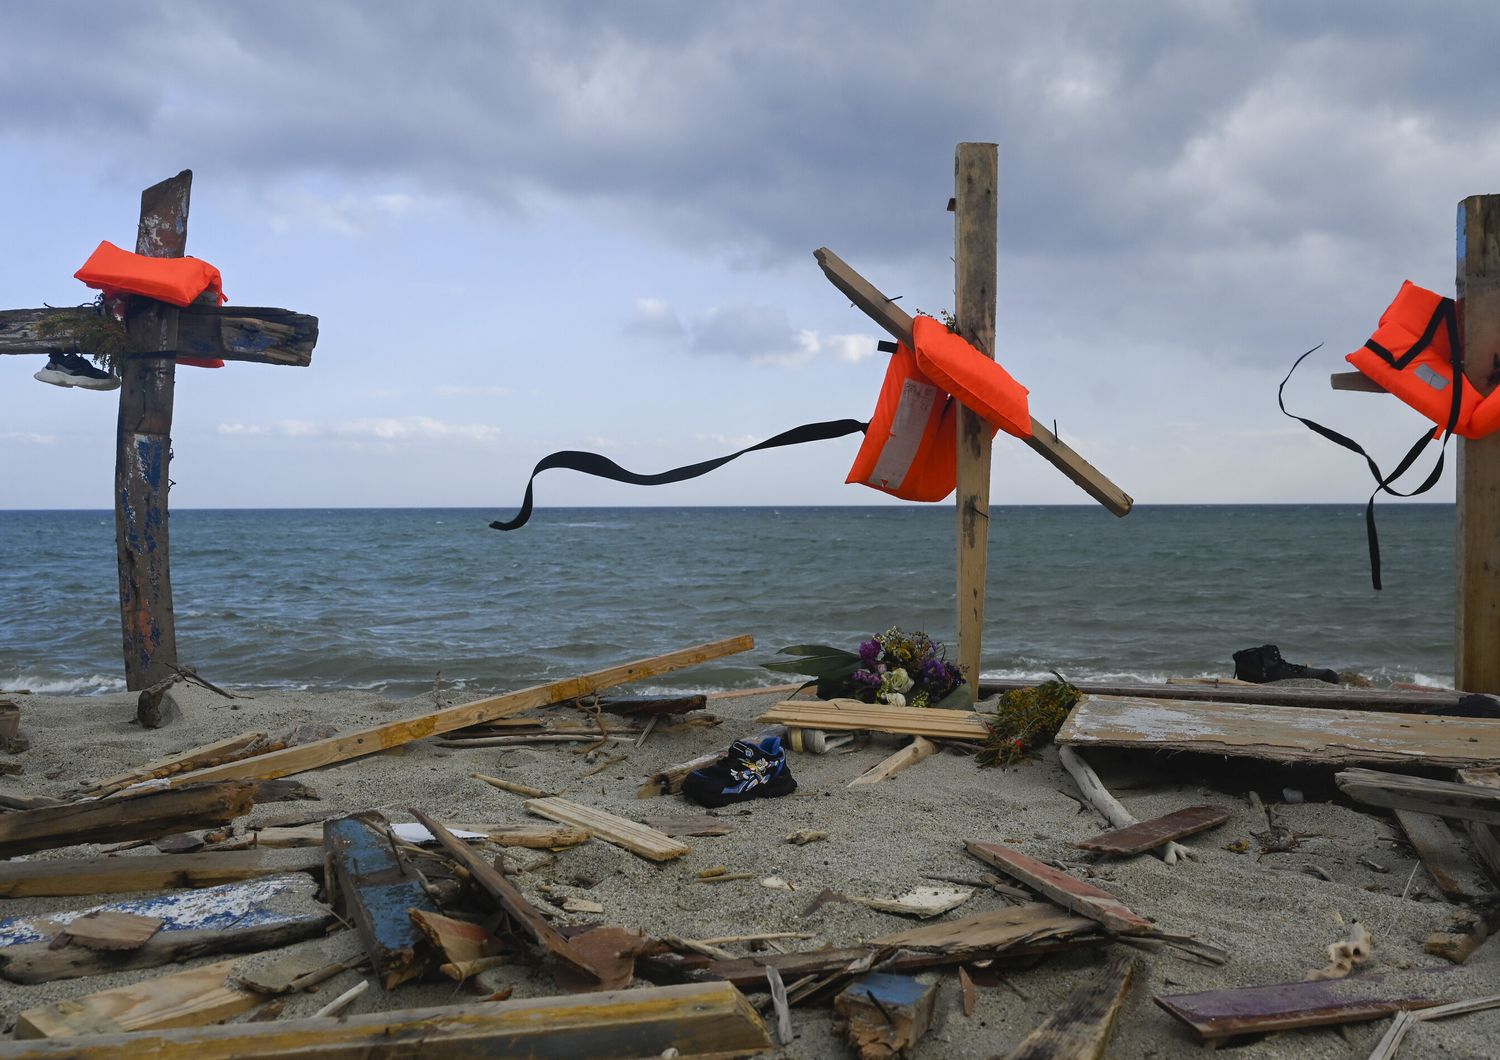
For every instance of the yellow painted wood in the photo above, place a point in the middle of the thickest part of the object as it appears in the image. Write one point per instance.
(637, 838)
(182, 762)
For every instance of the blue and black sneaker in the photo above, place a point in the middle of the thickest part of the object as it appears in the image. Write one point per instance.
(749, 771)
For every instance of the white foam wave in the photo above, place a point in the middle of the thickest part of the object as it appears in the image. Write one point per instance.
(93, 685)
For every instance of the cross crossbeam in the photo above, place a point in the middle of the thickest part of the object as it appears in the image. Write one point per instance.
(253, 334)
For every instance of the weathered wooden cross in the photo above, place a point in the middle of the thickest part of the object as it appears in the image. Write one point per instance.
(975, 216)
(158, 332)
(1476, 642)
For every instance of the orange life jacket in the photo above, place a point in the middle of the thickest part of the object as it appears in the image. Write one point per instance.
(911, 447)
(178, 281)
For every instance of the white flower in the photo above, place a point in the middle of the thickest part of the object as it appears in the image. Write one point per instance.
(895, 699)
(901, 681)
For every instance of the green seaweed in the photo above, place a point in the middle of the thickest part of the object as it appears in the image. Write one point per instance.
(1025, 719)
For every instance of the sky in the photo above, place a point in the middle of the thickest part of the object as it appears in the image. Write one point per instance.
(527, 227)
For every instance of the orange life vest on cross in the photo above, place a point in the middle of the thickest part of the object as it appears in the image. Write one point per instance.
(178, 281)
(911, 447)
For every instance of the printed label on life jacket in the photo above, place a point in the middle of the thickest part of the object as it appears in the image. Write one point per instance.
(1432, 377)
(907, 427)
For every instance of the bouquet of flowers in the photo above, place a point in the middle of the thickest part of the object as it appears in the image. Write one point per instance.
(902, 669)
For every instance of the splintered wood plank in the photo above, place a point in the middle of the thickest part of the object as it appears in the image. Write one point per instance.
(885, 1015)
(1148, 835)
(849, 714)
(996, 930)
(459, 941)
(144, 816)
(688, 825)
(1218, 1014)
(1281, 734)
(193, 998)
(379, 890)
(636, 838)
(1456, 876)
(1082, 898)
(397, 733)
(902, 760)
(1485, 838)
(116, 875)
(182, 762)
(508, 896)
(108, 930)
(1081, 1028)
(701, 1019)
(1444, 798)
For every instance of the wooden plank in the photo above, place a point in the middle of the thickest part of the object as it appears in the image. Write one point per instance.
(1354, 381)
(396, 733)
(902, 760)
(850, 714)
(885, 1015)
(508, 896)
(637, 838)
(1148, 835)
(182, 762)
(1080, 1029)
(1456, 876)
(999, 929)
(108, 930)
(116, 875)
(379, 891)
(1388, 700)
(636, 706)
(1071, 893)
(1477, 485)
(889, 315)
(193, 998)
(1281, 734)
(708, 1019)
(232, 918)
(144, 816)
(688, 825)
(1485, 838)
(1466, 931)
(1219, 1014)
(538, 836)
(975, 213)
(1445, 798)
(253, 334)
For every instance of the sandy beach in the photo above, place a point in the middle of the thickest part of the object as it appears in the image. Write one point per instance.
(1272, 915)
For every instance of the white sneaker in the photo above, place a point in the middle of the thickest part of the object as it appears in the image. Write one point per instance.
(69, 369)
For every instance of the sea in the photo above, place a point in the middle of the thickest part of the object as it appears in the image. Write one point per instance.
(396, 600)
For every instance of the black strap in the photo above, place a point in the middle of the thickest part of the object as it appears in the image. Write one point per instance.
(603, 467)
(1445, 314)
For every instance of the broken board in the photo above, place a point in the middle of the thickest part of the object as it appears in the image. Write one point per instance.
(1456, 876)
(851, 714)
(379, 890)
(1485, 838)
(885, 1015)
(116, 820)
(1219, 1014)
(1148, 835)
(636, 838)
(1281, 734)
(1080, 1028)
(1444, 798)
(62, 877)
(192, 998)
(1071, 893)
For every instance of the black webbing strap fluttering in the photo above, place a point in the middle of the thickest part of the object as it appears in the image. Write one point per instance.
(603, 467)
(1446, 314)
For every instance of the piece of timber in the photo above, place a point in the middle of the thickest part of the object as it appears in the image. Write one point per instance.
(1071, 893)
(256, 334)
(997, 930)
(108, 930)
(885, 312)
(1280, 734)
(144, 816)
(538, 836)
(635, 706)
(232, 918)
(193, 998)
(182, 762)
(1354, 381)
(60, 877)
(379, 890)
(1371, 699)
(708, 1019)
(919, 748)
(1444, 798)
(885, 1015)
(851, 714)
(508, 896)
(458, 941)
(1219, 1014)
(1080, 1029)
(1484, 838)
(1466, 931)
(1456, 876)
(1148, 835)
(637, 838)
(396, 733)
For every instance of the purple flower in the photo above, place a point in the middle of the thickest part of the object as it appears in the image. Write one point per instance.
(865, 677)
(869, 651)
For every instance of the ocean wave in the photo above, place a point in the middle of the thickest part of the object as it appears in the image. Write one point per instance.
(93, 685)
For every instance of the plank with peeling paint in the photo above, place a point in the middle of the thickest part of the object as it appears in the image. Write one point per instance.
(1217, 1014)
(1148, 835)
(379, 890)
(1068, 891)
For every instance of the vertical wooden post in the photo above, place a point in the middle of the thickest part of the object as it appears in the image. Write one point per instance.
(1477, 633)
(144, 452)
(974, 233)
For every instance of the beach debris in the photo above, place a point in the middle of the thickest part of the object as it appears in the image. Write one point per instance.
(513, 787)
(1109, 807)
(1442, 798)
(343, 1001)
(1456, 876)
(914, 752)
(816, 741)
(885, 1015)
(300, 967)
(1409, 699)
(1148, 835)
(378, 889)
(1215, 1015)
(193, 998)
(1026, 719)
(779, 1003)
(1388, 1045)
(968, 991)
(637, 838)
(611, 951)
(1467, 930)
(694, 1019)
(508, 897)
(776, 883)
(11, 740)
(255, 914)
(178, 843)
(1081, 1027)
(689, 825)
(1346, 955)
(749, 770)
(70, 877)
(1071, 893)
(1283, 734)
(1484, 838)
(851, 714)
(357, 744)
(652, 706)
(804, 836)
(1264, 664)
(921, 902)
(460, 943)
(107, 930)
(669, 781)
(574, 904)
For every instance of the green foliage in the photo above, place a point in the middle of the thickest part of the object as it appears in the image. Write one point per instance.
(97, 335)
(830, 668)
(1026, 718)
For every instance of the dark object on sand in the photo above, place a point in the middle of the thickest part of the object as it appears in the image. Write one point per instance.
(1265, 663)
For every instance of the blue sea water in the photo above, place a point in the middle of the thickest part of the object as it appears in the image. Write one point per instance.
(386, 599)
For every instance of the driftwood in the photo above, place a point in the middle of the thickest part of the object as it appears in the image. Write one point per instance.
(1081, 1027)
(1109, 807)
(193, 998)
(1071, 893)
(1370, 699)
(1148, 835)
(637, 838)
(379, 891)
(1456, 876)
(919, 748)
(1217, 1014)
(1443, 798)
(143, 816)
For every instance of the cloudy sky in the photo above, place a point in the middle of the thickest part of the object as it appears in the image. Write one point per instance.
(530, 227)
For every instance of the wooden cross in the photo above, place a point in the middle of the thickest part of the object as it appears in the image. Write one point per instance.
(158, 332)
(975, 218)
